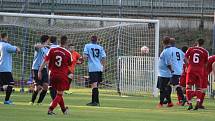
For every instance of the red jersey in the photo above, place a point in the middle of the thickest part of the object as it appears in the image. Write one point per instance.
(211, 60)
(197, 59)
(75, 57)
(59, 60)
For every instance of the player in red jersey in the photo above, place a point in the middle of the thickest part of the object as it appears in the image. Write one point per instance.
(58, 59)
(196, 59)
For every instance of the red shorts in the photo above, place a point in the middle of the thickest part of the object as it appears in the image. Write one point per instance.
(204, 82)
(194, 78)
(59, 82)
(182, 81)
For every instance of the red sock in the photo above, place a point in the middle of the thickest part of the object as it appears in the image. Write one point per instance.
(179, 97)
(202, 98)
(189, 93)
(193, 94)
(61, 103)
(55, 102)
(199, 95)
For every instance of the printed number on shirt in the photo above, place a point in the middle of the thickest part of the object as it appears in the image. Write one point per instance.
(58, 61)
(196, 58)
(178, 56)
(95, 52)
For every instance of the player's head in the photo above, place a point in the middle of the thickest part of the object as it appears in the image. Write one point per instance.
(63, 40)
(166, 40)
(172, 41)
(184, 49)
(71, 47)
(200, 42)
(94, 39)
(44, 39)
(4, 36)
(53, 39)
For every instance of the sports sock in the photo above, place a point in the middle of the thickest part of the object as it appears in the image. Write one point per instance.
(202, 98)
(61, 103)
(55, 102)
(34, 96)
(168, 91)
(199, 95)
(8, 92)
(52, 92)
(180, 94)
(93, 96)
(42, 96)
(189, 93)
(162, 96)
(96, 94)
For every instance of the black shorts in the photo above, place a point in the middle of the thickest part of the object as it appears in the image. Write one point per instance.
(174, 80)
(163, 82)
(6, 78)
(44, 77)
(95, 77)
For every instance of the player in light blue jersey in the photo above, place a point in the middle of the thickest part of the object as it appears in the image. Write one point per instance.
(177, 65)
(6, 77)
(164, 74)
(40, 52)
(95, 55)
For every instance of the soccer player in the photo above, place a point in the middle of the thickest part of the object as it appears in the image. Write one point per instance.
(165, 73)
(95, 55)
(58, 60)
(6, 77)
(53, 44)
(177, 66)
(196, 58)
(76, 59)
(40, 84)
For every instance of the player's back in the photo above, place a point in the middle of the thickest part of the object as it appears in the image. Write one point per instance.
(95, 54)
(177, 60)
(60, 59)
(197, 59)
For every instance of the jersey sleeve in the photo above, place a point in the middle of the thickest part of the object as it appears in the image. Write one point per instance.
(10, 48)
(168, 57)
(48, 55)
(103, 54)
(85, 50)
(187, 54)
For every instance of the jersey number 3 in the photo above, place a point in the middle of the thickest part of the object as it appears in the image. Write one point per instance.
(196, 58)
(58, 61)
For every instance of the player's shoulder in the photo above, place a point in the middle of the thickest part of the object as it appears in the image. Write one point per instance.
(212, 57)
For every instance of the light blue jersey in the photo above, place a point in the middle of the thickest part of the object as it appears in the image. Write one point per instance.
(53, 45)
(95, 54)
(6, 51)
(177, 60)
(38, 57)
(164, 61)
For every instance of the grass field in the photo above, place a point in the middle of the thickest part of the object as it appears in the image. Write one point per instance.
(113, 108)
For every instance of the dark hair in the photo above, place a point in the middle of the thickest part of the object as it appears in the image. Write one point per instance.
(184, 49)
(94, 38)
(166, 40)
(63, 40)
(200, 42)
(3, 35)
(53, 39)
(70, 44)
(44, 38)
(172, 41)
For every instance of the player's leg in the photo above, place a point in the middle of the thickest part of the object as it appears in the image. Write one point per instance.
(7, 79)
(55, 102)
(44, 85)
(160, 86)
(37, 86)
(53, 92)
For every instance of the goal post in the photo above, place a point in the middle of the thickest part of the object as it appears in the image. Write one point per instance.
(121, 38)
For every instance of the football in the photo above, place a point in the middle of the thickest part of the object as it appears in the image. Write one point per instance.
(144, 49)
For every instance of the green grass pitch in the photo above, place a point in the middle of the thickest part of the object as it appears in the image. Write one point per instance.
(113, 108)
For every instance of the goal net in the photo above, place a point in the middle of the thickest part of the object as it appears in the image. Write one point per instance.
(126, 70)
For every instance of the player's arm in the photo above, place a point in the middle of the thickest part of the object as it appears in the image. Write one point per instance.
(12, 49)
(85, 53)
(103, 62)
(43, 64)
(38, 46)
(168, 60)
(80, 59)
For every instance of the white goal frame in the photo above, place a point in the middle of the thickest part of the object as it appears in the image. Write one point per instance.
(60, 17)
